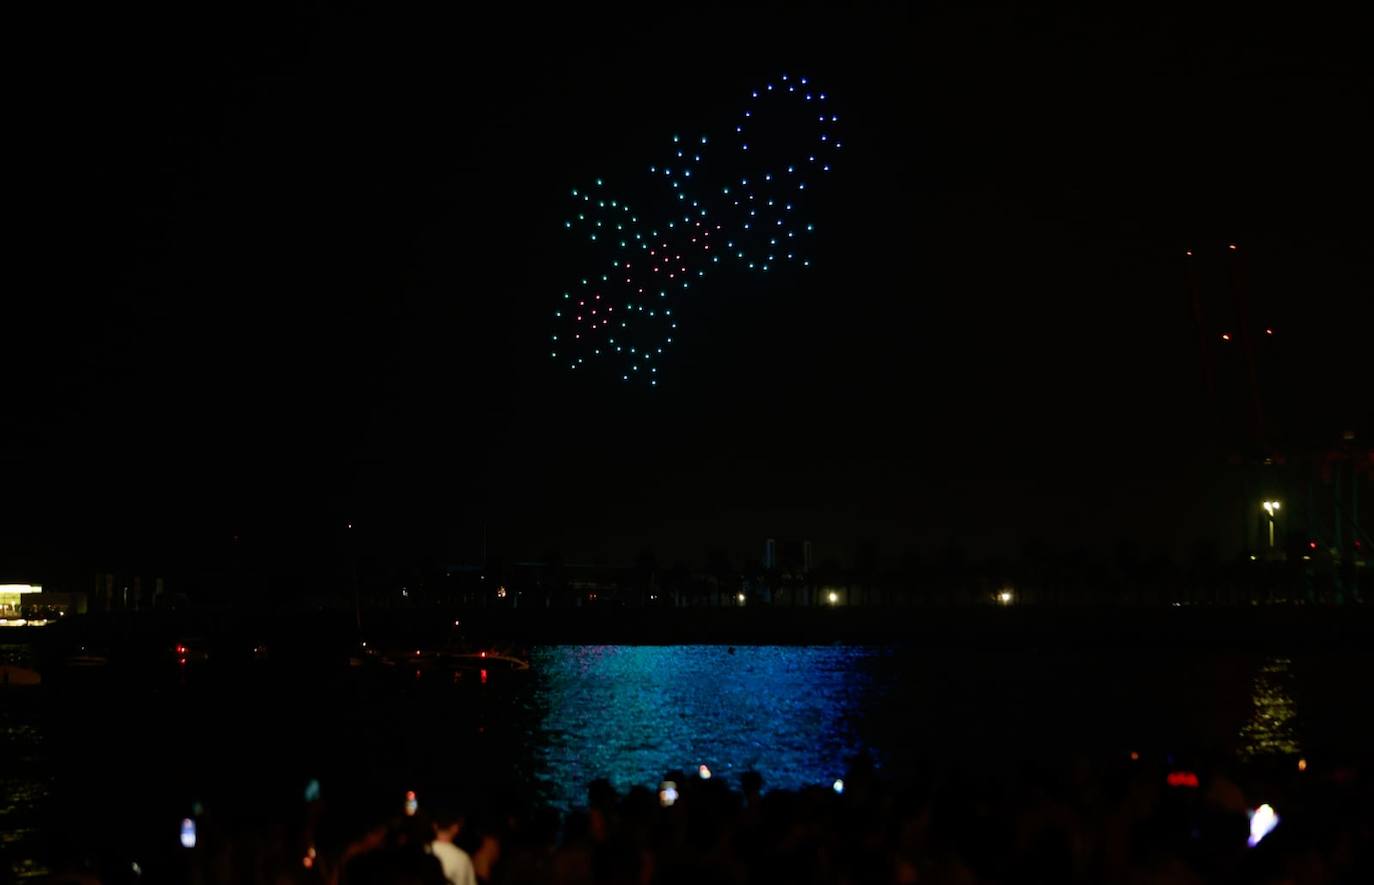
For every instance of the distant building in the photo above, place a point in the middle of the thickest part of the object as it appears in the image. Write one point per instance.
(112, 592)
(51, 606)
(12, 598)
(792, 555)
(27, 605)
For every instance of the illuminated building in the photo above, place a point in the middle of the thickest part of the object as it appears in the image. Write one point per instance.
(12, 602)
(26, 605)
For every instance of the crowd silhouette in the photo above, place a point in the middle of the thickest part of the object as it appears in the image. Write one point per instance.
(1133, 819)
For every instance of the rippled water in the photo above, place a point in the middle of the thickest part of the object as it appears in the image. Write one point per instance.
(111, 765)
(1272, 728)
(632, 713)
(23, 790)
(24, 775)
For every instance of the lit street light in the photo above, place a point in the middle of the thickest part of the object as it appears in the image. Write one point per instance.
(1271, 508)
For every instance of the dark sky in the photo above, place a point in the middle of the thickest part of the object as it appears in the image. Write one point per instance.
(292, 266)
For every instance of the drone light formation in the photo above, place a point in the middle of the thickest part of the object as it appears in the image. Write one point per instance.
(735, 201)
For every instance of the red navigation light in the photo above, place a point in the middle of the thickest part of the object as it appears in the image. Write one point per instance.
(1183, 779)
(1225, 336)
(484, 677)
(1269, 331)
(181, 649)
(484, 654)
(1312, 545)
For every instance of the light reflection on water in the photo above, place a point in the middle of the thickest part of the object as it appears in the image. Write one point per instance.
(632, 713)
(1271, 729)
(23, 790)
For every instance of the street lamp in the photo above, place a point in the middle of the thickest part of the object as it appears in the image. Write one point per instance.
(1271, 508)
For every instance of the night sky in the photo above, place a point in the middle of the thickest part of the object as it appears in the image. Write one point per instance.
(288, 268)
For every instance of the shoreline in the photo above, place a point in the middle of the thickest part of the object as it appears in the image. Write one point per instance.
(1270, 628)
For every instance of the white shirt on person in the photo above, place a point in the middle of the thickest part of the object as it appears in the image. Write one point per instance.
(456, 863)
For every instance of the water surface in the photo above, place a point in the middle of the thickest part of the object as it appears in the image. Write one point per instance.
(633, 713)
(108, 764)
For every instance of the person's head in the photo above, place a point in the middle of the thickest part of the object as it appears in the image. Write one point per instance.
(481, 839)
(485, 855)
(600, 794)
(447, 824)
(357, 826)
